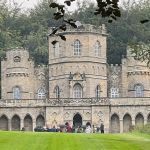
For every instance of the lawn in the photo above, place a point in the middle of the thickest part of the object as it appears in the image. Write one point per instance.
(64, 141)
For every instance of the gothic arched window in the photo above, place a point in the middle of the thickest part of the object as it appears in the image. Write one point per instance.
(114, 92)
(97, 48)
(77, 48)
(16, 92)
(41, 93)
(139, 90)
(57, 92)
(97, 91)
(77, 91)
(56, 49)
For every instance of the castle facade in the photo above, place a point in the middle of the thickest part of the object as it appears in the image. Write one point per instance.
(77, 86)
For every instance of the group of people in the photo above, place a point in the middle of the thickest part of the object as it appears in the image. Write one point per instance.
(67, 128)
(87, 129)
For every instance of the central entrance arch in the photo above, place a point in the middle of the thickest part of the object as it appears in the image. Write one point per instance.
(77, 120)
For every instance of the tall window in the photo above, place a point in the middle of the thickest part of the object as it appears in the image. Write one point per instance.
(41, 93)
(114, 92)
(56, 49)
(139, 90)
(77, 91)
(97, 91)
(16, 93)
(77, 48)
(57, 91)
(97, 48)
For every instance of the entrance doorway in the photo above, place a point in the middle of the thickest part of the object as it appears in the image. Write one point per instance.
(77, 120)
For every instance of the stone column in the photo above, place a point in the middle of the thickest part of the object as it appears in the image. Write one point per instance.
(121, 126)
(145, 121)
(133, 122)
(21, 123)
(34, 124)
(9, 124)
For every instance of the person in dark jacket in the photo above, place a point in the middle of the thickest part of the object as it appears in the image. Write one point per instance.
(102, 128)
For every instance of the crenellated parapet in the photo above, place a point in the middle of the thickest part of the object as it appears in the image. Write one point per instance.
(86, 28)
(145, 73)
(17, 74)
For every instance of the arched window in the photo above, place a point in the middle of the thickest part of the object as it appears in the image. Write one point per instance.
(41, 93)
(97, 92)
(139, 90)
(57, 91)
(77, 91)
(16, 92)
(56, 49)
(97, 48)
(114, 92)
(77, 48)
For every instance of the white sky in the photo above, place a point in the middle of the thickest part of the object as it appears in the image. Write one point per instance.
(31, 3)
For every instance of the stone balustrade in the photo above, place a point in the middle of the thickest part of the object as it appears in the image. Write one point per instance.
(53, 102)
(130, 101)
(75, 102)
(84, 28)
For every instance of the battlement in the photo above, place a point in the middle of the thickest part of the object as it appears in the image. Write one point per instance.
(84, 28)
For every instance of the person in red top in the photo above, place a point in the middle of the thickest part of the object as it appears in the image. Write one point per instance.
(68, 127)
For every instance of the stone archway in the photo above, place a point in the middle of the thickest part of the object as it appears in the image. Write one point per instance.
(148, 119)
(40, 121)
(88, 124)
(28, 124)
(15, 123)
(3, 123)
(139, 120)
(115, 124)
(77, 120)
(127, 123)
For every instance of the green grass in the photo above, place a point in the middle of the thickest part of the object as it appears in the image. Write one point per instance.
(64, 141)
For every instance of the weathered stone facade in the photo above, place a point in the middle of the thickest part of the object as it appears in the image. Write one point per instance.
(78, 86)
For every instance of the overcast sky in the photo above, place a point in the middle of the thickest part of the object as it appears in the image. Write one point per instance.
(31, 3)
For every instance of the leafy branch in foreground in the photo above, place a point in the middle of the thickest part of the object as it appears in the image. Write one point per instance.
(108, 8)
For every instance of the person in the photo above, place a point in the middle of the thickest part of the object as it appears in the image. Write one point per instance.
(102, 128)
(88, 129)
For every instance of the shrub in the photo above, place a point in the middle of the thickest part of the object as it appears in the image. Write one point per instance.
(143, 128)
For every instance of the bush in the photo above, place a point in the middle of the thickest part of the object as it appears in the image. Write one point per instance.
(143, 128)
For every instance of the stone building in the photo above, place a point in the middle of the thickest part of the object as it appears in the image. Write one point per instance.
(77, 86)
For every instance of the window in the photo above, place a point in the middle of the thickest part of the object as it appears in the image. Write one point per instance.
(114, 92)
(77, 91)
(97, 48)
(17, 59)
(77, 48)
(139, 90)
(56, 49)
(57, 91)
(16, 93)
(41, 93)
(97, 91)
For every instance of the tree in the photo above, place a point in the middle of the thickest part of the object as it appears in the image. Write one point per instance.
(110, 12)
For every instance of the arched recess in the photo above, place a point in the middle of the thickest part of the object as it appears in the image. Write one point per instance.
(28, 124)
(115, 124)
(139, 120)
(88, 124)
(148, 119)
(77, 120)
(3, 123)
(15, 123)
(127, 123)
(40, 121)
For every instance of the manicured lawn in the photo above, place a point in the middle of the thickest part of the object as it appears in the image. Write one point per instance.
(64, 141)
